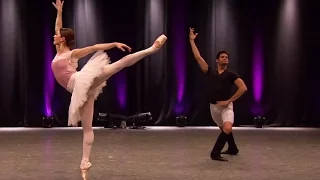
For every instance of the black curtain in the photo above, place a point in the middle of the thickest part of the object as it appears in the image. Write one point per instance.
(290, 71)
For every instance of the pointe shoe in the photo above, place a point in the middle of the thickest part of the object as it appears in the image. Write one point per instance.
(160, 41)
(85, 171)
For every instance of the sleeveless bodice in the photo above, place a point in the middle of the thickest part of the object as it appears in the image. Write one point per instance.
(63, 66)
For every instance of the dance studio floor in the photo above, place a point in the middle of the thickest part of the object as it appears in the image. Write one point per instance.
(159, 153)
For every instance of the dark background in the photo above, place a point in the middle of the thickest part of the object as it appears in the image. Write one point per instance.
(169, 83)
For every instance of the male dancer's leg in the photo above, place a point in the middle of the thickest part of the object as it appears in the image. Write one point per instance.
(232, 146)
(227, 116)
(222, 138)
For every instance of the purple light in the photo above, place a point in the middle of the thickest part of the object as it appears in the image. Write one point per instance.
(257, 69)
(180, 70)
(180, 51)
(180, 38)
(48, 77)
(121, 89)
(179, 109)
(257, 110)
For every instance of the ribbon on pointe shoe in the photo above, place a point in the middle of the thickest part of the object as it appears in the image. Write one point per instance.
(85, 171)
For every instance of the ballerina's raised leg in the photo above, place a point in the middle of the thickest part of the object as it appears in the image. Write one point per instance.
(128, 60)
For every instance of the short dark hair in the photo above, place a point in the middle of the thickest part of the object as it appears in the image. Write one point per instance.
(222, 52)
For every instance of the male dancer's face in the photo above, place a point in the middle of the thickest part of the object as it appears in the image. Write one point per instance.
(223, 59)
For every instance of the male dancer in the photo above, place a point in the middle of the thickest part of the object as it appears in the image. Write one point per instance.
(221, 81)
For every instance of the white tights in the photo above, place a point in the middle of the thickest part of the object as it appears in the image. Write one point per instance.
(88, 135)
(87, 109)
(126, 61)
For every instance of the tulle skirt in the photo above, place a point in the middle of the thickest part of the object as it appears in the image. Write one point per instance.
(80, 85)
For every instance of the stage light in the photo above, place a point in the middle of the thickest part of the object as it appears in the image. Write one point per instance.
(48, 121)
(259, 121)
(181, 121)
(111, 120)
(120, 121)
(137, 121)
(102, 116)
(123, 125)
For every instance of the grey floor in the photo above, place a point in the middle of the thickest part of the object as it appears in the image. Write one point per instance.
(159, 153)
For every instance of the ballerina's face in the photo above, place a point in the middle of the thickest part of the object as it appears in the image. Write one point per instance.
(57, 38)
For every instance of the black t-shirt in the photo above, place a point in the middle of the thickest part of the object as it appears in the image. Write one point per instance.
(220, 85)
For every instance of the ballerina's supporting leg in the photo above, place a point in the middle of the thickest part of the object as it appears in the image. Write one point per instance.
(128, 60)
(88, 135)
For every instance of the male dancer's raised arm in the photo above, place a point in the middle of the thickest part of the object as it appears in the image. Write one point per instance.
(202, 63)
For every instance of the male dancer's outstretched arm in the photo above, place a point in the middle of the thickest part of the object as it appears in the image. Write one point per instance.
(202, 63)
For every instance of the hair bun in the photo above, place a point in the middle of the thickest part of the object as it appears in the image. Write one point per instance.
(71, 43)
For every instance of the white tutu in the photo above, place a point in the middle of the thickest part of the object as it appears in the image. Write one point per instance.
(80, 85)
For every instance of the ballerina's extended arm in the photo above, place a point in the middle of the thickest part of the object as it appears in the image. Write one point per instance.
(58, 25)
(81, 52)
(58, 5)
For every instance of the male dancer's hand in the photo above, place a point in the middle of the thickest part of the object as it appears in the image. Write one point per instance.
(122, 47)
(192, 36)
(58, 5)
(223, 103)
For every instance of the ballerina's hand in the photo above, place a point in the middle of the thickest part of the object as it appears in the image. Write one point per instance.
(122, 47)
(58, 5)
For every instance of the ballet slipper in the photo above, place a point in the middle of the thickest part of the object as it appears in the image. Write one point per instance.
(85, 171)
(160, 41)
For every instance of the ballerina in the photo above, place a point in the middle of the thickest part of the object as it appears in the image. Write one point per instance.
(86, 84)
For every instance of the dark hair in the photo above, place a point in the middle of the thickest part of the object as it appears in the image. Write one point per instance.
(68, 34)
(221, 52)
